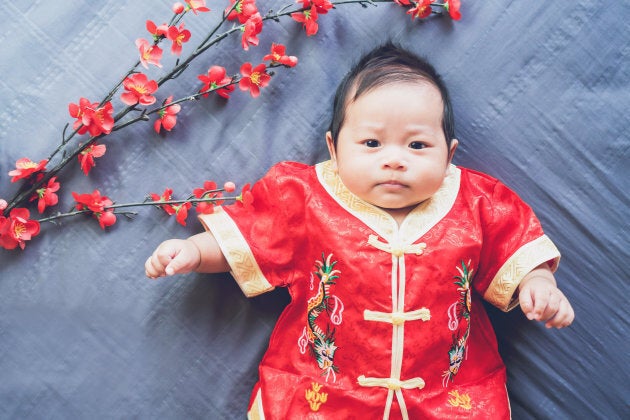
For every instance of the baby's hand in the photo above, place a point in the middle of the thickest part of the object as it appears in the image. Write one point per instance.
(175, 256)
(541, 300)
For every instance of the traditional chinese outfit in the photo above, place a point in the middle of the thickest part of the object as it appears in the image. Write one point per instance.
(384, 321)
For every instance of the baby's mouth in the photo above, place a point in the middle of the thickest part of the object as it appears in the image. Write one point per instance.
(392, 183)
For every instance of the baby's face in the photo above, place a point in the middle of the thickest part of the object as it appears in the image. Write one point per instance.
(391, 150)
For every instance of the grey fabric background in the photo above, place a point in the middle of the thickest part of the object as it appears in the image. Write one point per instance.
(541, 94)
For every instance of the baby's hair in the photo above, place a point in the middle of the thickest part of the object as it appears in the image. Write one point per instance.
(388, 63)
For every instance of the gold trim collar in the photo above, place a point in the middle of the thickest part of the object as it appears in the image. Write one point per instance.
(418, 222)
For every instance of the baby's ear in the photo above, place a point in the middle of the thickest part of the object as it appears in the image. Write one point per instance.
(452, 148)
(331, 149)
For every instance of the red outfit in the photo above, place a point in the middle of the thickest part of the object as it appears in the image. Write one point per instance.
(384, 321)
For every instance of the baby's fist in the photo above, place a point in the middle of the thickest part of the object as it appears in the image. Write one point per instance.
(541, 300)
(175, 256)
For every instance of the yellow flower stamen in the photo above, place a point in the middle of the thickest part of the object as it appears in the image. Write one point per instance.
(27, 165)
(18, 230)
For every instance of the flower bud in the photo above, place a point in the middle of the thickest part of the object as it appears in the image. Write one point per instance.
(4, 204)
(229, 186)
(178, 8)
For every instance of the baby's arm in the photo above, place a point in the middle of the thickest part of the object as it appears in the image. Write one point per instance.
(200, 253)
(540, 299)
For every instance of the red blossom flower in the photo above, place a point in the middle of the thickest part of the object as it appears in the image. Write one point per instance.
(102, 120)
(322, 6)
(25, 167)
(278, 56)
(97, 204)
(209, 190)
(452, 6)
(46, 195)
(81, 112)
(243, 11)
(253, 79)
(246, 198)
(215, 78)
(197, 6)
(139, 90)
(87, 155)
(166, 196)
(308, 18)
(149, 53)
(181, 213)
(251, 29)
(156, 31)
(421, 10)
(168, 116)
(92, 118)
(17, 228)
(402, 2)
(178, 36)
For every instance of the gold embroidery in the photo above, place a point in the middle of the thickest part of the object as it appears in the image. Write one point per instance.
(501, 292)
(314, 397)
(460, 400)
(243, 265)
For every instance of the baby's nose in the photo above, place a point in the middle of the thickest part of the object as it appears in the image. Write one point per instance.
(394, 159)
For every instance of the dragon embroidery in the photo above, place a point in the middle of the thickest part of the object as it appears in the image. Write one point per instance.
(458, 311)
(320, 342)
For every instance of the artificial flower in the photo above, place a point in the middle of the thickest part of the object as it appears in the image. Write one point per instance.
(197, 6)
(17, 228)
(97, 204)
(168, 116)
(216, 79)
(90, 117)
(181, 212)
(246, 198)
(452, 6)
(209, 190)
(155, 30)
(178, 36)
(251, 29)
(25, 167)
(81, 112)
(322, 6)
(243, 10)
(308, 18)
(102, 121)
(87, 155)
(421, 10)
(278, 55)
(46, 195)
(253, 79)
(149, 53)
(139, 89)
(167, 195)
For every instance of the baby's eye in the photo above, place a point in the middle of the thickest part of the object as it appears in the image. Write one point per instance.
(417, 145)
(372, 143)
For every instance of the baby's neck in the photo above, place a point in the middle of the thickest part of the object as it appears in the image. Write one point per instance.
(399, 215)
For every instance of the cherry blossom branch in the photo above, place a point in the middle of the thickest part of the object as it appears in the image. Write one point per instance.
(137, 204)
(87, 113)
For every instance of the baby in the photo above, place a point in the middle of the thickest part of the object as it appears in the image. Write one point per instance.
(387, 250)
